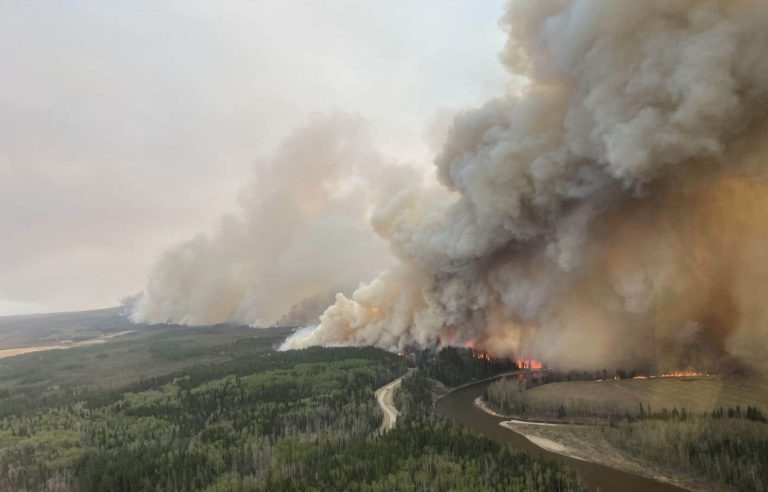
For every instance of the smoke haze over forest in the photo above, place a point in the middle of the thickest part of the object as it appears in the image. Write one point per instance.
(601, 203)
(610, 211)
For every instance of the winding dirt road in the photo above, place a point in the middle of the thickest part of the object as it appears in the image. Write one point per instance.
(385, 397)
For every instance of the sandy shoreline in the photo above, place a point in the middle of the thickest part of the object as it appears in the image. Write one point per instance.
(519, 426)
(560, 439)
(547, 444)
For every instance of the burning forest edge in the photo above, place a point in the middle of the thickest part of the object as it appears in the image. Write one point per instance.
(524, 364)
(608, 211)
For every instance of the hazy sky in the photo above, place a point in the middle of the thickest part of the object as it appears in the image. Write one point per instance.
(128, 126)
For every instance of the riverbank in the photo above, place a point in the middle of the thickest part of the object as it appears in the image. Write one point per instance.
(522, 426)
(458, 406)
(577, 442)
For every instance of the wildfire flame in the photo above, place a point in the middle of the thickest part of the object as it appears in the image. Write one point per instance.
(673, 374)
(682, 374)
(479, 354)
(522, 363)
(529, 364)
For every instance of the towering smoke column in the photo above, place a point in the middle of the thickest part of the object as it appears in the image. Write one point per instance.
(302, 234)
(615, 212)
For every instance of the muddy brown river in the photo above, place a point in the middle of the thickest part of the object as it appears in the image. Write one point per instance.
(459, 407)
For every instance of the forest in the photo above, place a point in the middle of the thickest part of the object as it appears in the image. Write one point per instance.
(456, 366)
(242, 416)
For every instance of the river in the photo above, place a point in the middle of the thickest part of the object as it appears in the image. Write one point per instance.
(459, 407)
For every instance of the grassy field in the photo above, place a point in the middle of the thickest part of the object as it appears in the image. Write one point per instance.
(696, 395)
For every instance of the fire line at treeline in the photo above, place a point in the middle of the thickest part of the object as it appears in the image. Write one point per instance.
(599, 376)
(520, 363)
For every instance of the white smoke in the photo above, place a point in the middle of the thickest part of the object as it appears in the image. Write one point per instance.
(571, 212)
(302, 231)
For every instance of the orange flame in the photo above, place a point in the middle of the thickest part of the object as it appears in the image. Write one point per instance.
(529, 364)
(682, 374)
(673, 374)
(479, 354)
(522, 363)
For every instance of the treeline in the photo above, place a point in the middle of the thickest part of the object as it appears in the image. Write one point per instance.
(647, 413)
(730, 452)
(456, 366)
(752, 413)
(551, 376)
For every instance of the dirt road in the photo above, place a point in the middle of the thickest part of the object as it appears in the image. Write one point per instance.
(385, 397)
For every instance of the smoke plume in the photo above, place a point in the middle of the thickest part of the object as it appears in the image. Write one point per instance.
(612, 213)
(302, 234)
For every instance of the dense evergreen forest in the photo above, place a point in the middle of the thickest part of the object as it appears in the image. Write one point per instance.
(184, 431)
(423, 452)
(233, 414)
(456, 366)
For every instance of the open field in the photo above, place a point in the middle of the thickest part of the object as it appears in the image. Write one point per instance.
(618, 397)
